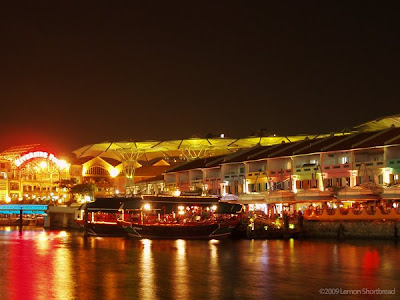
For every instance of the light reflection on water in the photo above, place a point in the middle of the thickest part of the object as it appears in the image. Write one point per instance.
(147, 272)
(40, 264)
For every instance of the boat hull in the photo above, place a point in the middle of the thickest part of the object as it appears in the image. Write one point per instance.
(105, 230)
(178, 231)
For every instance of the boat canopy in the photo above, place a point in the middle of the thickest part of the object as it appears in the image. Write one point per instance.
(357, 193)
(280, 196)
(228, 208)
(171, 204)
(182, 199)
(251, 198)
(109, 204)
(314, 195)
(391, 193)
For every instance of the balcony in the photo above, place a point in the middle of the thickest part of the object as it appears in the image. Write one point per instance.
(393, 163)
(233, 174)
(307, 168)
(371, 164)
(281, 172)
(337, 167)
(256, 174)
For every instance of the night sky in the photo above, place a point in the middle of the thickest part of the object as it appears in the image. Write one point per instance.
(74, 74)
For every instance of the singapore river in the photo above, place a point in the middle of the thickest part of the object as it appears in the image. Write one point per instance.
(39, 264)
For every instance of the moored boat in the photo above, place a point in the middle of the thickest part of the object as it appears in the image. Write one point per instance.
(100, 218)
(167, 217)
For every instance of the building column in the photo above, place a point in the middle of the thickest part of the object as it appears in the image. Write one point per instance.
(353, 177)
(223, 189)
(65, 220)
(320, 181)
(294, 181)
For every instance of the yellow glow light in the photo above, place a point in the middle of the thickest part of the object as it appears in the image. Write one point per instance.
(43, 164)
(62, 234)
(146, 206)
(181, 207)
(181, 212)
(214, 207)
(62, 164)
(114, 172)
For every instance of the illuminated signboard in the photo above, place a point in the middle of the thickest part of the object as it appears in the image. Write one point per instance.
(40, 154)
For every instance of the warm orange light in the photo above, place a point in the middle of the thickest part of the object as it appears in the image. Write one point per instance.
(114, 172)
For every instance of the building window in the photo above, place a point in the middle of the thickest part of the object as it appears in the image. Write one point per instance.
(97, 170)
(251, 187)
(228, 189)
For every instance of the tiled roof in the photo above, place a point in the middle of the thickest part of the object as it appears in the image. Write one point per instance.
(111, 161)
(21, 150)
(81, 161)
(318, 145)
(379, 139)
(291, 148)
(208, 162)
(264, 153)
(244, 154)
(393, 141)
(347, 142)
(151, 170)
(151, 179)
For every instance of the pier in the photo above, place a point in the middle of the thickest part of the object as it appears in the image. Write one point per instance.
(13, 214)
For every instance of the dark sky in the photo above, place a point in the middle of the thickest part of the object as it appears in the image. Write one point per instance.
(81, 72)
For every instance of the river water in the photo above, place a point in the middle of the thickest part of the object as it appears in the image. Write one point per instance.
(39, 264)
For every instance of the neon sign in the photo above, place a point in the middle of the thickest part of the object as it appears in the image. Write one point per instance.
(61, 164)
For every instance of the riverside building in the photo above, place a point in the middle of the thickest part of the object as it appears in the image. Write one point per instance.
(216, 166)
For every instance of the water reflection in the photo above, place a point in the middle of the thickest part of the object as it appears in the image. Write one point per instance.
(180, 283)
(63, 278)
(214, 277)
(147, 284)
(64, 265)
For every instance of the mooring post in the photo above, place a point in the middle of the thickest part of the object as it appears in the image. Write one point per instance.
(286, 221)
(20, 220)
(86, 217)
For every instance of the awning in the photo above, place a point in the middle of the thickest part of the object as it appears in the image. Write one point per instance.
(108, 204)
(357, 198)
(228, 208)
